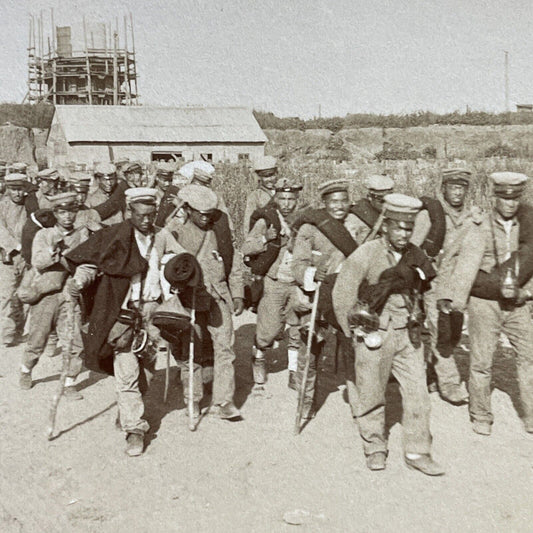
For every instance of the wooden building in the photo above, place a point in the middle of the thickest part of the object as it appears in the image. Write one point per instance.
(87, 134)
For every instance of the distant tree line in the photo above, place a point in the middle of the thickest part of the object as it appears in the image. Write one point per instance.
(40, 116)
(367, 120)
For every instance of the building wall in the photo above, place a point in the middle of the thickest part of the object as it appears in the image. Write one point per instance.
(60, 152)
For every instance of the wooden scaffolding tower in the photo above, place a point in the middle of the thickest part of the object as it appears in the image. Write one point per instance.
(102, 72)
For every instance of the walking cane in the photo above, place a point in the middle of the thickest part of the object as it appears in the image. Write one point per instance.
(303, 384)
(190, 401)
(167, 374)
(64, 370)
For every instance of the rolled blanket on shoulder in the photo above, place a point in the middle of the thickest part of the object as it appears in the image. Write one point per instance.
(413, 271)
(183, 271)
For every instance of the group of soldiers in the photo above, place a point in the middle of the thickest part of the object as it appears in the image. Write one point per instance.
(114, 265)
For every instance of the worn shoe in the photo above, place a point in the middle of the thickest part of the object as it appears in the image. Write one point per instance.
(425, 464)
(376, 461)
(292, 384)
(25, 382)
(228, 411)
(134, 444)
(71, 394)
(482, 428)
(455, 394)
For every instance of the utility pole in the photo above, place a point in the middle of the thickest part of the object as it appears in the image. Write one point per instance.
(506, 81)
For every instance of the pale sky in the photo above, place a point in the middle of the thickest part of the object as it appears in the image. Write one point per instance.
(290, 56)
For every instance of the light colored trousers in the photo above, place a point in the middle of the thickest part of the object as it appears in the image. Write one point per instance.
(273, 312)
(373, 368)
(134, 372)
(12, 310)
(51, 312)
(487, 320)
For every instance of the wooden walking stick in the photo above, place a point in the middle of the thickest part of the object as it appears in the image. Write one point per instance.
(167, 374)
(64, 370)
(303, 384)
(190, 401)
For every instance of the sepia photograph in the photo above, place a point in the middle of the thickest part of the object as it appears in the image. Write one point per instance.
(266, 266)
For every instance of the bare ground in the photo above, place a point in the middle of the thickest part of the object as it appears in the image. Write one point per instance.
(253, 475)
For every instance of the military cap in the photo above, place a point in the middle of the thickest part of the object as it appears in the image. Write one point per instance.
(19, 168)
(459, 176)
(133, 166)
(106, 169)
(285, 185)
(165, 168)
(16, 179)
(119, 163)
(198, 197)
(380, 184)
(265, 162)
(187, 170)
(330, 186)
(508, 184)
(81, 182)
(48, 174)
(66, 200)
(141, 195)
(401, 207)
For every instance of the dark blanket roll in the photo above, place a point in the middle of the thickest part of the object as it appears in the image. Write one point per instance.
(401, 278)
(42, 218)
(183, 271)
(449, 330)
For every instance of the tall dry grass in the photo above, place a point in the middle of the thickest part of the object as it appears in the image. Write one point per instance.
(416, 178)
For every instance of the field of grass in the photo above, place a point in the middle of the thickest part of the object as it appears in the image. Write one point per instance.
(415, 178)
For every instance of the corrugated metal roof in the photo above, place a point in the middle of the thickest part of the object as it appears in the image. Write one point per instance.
(86, 123)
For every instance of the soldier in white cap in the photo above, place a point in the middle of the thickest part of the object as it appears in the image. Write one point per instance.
(266, 170)
(452, 196)
(88, 217)
(121, 338)
(368, 209)
(133, 174)
(13, 216)
(105, 175)
(393, 272)
(225, 292)
(48, 182)
(202, 173)
(323, 241)
(485, 247)
(268, 247)
(51, 308)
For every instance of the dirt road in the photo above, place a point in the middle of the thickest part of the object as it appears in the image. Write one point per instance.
(253, 475)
